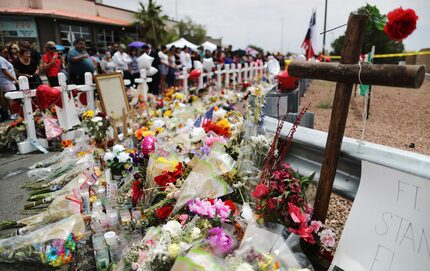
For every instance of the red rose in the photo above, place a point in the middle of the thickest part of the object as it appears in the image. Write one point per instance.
(164, 212)
(230, 204)
(260, 191)
(272, 203)
(305, 233)
(401, 23)
(168, 177)
(136, 191)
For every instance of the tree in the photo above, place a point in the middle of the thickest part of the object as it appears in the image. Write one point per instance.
(152, 23)
(193, 32)
(373, 36)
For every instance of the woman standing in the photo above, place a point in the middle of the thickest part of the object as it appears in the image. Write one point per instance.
(51, 63)
(26, 66)
(163, 67)
(8, 80)
(13, 53)
(172, 67)
(107, 65)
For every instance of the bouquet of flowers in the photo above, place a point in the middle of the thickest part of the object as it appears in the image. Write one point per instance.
(97, 125)
(118, 159)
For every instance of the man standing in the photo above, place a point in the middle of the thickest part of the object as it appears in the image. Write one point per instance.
(79, 63)
(122, 60)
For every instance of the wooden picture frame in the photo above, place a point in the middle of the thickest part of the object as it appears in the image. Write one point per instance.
(112, 93)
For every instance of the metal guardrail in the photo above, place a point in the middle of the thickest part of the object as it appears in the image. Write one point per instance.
(307, 152)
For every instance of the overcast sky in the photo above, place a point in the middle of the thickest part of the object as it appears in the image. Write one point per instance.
(243, 22)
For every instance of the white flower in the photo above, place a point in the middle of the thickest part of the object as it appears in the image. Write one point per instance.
(195, 233)
(96, 119)
(244, 267)
(100, 124)
(118, 148)
(219, 114)
(173, 227)
(123, 157)
(159, 123)
(197, 134)
(109, 156)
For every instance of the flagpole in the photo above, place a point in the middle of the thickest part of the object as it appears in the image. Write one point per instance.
(325, 26)
(282, 35)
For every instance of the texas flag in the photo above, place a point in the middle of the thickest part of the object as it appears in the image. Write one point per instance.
(310, 42)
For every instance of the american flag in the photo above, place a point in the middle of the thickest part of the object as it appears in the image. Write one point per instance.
(200, 121)
(310, 42)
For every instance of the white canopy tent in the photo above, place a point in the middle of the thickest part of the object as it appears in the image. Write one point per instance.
(180, 43)
(207, 45)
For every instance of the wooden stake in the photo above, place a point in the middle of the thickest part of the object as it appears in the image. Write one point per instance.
(115, 129)
(350, 55)
(124, 119)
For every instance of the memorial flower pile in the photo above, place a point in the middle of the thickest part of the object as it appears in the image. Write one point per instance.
(186, 188)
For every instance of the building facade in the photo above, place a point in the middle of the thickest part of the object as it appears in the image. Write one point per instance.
(63, 21)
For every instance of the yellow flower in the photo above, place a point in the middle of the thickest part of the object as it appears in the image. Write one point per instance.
(167, 113)
(179, 96)
(159, 130)
(89, 114)
(224, 123)
(147, 133)
(170, 164)
(173, 250)
(81, 153)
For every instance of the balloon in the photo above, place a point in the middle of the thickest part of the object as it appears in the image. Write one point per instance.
(195, 74)
(151, 71)
(148, 144)
(273, 67)
(145, 61)
(198, 65)
(286, 81)
(46, 96)
(208, 64)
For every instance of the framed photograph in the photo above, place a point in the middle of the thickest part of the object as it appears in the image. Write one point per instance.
(113, 97)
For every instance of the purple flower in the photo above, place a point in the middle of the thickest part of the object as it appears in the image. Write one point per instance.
(221, 242)
(205, 149)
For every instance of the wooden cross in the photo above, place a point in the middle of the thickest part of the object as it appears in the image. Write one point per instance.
(346, 73)
(124, 119)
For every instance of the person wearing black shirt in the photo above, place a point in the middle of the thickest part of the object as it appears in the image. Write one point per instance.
(25, 66)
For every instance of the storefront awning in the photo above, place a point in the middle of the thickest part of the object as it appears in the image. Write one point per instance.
(61, 14)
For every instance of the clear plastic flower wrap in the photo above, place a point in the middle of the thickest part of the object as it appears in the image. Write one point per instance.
(275, 240)
(53, 244)
(54, 158)
(203, 180)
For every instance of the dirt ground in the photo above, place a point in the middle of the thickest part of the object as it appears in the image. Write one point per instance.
(399, 117)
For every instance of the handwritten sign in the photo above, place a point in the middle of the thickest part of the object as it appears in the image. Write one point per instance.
(388, 228)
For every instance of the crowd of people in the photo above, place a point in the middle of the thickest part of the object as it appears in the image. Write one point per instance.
(22, 59)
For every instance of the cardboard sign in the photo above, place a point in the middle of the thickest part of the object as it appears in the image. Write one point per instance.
(388, 228)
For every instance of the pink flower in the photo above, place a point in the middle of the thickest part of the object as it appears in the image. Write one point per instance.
(327, 238)
(316, 225)
(222, 210)
(214, 139)
(220, 241)
(202, 208)
(297, 215)
(183, 218)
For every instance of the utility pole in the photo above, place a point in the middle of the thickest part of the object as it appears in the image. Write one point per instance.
(325, 28)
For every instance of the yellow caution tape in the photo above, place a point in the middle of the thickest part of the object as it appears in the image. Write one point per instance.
(389, 55)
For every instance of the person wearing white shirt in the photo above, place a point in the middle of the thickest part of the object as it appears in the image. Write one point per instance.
(122, 60)
(7, 81)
